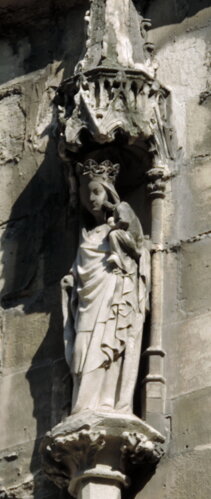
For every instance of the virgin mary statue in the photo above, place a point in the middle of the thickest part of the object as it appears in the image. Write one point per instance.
(105, 296)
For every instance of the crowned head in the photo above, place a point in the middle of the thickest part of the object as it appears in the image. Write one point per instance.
(91, 170)
(97, 186)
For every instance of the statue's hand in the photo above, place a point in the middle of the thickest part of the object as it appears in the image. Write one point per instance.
(67, 282)
(108, 206)
(120, 218)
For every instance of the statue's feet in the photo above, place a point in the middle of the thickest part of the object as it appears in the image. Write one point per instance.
(124, 408)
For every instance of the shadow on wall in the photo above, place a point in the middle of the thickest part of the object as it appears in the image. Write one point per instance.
(166, 12)
(139, 478)
(40, 34)
(44, 242)
(40, 238)
(39, 245)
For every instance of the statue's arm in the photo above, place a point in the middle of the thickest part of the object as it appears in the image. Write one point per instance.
(125, 218)
(67, 289)
(126, 228)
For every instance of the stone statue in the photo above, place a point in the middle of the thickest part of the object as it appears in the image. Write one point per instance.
(105, 296)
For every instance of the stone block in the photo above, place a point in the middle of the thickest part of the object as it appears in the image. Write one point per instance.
(33, 336)
(23, 336)
(170, 306)
(16, 464)
(32, 402)
(12, 125)
(198, 144)
(25, 411)
(187, 278)
(191, 196)
(185, 476)
(191, 424)
(194, 277)
(187, 363)
(185, 471)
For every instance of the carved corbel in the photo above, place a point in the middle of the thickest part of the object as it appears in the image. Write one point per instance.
(104, 449)
(67, 455)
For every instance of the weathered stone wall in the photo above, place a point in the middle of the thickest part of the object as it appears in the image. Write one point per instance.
(39, 46)
(182, 35)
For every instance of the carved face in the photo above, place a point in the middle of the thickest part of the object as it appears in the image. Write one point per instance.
(93, 195)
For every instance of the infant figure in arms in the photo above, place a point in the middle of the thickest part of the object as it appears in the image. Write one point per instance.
(105, 296)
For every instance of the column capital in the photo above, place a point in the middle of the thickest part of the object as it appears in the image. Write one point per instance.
(98, 446)
(157, 177)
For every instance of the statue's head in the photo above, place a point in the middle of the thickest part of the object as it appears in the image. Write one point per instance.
(93, 196)
(97, 186)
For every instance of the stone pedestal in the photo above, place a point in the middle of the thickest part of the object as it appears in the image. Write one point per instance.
(99, 489)
(92, 453)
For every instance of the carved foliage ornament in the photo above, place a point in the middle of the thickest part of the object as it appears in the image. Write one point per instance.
(65, 456)
(137, 448)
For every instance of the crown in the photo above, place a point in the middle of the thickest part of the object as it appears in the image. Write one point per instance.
(105, 170)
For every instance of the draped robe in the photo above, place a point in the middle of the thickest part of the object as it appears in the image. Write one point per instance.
(108, 300)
